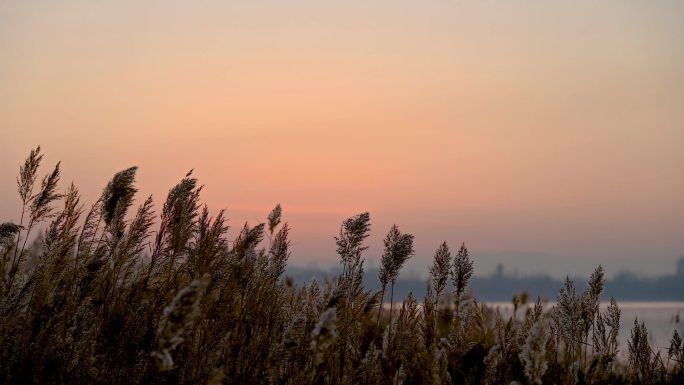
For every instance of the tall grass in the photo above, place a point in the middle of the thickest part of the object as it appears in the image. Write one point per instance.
(116, 296)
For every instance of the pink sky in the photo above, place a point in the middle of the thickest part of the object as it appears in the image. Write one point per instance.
(546, 135)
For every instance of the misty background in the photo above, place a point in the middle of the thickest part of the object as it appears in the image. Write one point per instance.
(546, 136)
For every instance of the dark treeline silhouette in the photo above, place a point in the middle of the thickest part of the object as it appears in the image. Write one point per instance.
(625, 286)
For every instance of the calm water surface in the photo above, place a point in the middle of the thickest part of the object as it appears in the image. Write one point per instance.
(661, 319)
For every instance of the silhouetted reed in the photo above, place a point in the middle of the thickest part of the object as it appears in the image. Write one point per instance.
(117, 297)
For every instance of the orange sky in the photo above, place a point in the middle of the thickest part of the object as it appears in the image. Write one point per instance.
(546, 135)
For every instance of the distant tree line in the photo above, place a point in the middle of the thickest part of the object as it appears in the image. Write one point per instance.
(625, 286)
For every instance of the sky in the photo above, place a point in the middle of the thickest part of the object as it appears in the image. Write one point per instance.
(548, 136)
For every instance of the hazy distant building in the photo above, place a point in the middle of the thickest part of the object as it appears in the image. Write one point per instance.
(499, 270)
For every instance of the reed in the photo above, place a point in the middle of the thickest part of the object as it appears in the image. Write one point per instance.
(132, 296)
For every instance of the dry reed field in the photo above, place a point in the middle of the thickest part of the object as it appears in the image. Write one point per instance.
(109, 293)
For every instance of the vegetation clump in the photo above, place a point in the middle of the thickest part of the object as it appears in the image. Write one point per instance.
(110, 297)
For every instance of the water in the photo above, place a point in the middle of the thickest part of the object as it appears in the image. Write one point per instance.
(661, 320)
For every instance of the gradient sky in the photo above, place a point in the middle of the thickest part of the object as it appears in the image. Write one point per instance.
(548, 136)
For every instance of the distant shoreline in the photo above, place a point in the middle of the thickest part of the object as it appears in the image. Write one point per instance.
(624, 287)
